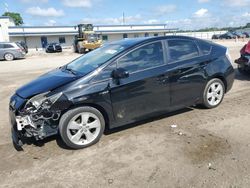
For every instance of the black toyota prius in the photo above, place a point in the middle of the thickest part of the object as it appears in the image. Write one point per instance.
(120, 83)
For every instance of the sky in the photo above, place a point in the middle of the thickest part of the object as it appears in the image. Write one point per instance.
(182, 14)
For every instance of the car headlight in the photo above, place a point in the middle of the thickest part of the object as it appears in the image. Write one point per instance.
(44, 100)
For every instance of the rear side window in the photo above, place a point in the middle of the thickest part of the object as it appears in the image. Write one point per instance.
(205, 47)
(8, 46)
(182, 49)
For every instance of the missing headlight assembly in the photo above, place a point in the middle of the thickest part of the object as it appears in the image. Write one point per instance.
(40, 116)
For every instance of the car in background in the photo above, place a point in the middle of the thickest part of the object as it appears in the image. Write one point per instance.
(228, 35)
(10, 51)
(239, 34)
(24, 45)
(244, 61)
(120, 83)
(247, 34)
(53, 47)
(216, 36)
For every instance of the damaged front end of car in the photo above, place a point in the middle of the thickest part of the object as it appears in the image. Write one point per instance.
(38, 117)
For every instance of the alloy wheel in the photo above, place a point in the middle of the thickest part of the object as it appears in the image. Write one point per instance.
(215, 93)
(83, 128)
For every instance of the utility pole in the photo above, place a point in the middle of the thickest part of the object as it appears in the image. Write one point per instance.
(123, 18)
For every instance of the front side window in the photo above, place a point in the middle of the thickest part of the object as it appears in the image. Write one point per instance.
(182, 49)
(147, 56)
(106, 72)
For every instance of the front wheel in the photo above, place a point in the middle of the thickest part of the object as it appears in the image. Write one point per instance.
(81, 127)
(213, 93)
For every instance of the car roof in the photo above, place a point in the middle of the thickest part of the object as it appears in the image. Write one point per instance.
(135, 41)
(7, 42)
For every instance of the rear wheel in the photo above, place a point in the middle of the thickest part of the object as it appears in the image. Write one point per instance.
(81, 127)
(214, 93)
(9, 57)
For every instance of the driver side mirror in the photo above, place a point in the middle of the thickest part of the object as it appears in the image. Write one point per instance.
(119, 73)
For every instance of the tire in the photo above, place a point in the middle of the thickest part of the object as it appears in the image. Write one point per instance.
(9, 57)
(81, 127)
(243, 70)
(82, 50)
(213, 93)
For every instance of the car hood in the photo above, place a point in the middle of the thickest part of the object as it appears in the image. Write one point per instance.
(45, 83)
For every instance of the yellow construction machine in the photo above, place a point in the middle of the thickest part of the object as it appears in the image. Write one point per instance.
(87, 39)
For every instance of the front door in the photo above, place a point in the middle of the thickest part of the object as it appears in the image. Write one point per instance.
(146, 90)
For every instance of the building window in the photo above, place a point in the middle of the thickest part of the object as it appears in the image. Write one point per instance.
(62, 40)
(136, 35)
(105, 37)
(156, 35)
(125, 35)
(146, 35)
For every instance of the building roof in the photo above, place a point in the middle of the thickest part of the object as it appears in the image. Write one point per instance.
(99, 29)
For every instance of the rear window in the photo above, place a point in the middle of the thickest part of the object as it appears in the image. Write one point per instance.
(8, 46)
(205, 47)
(19, 45)
(182, 49)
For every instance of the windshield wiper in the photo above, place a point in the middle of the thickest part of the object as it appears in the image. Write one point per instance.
(70, 70)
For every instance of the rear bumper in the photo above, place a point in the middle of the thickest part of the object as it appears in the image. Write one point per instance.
(20, 55)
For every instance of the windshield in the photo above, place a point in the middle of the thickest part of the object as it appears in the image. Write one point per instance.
(92, 60)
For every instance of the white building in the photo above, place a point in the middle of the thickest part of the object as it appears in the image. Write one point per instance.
(39, 36)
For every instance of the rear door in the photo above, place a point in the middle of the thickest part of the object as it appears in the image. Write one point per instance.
(146, 90)
(186, 72)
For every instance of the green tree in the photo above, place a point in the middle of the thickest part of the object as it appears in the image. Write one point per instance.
(15, 16)
(247, 25)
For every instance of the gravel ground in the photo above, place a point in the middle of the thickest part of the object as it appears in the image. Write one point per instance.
(208, 148)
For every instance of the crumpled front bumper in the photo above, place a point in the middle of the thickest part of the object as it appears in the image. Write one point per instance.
(28, 126)
(15, 103)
